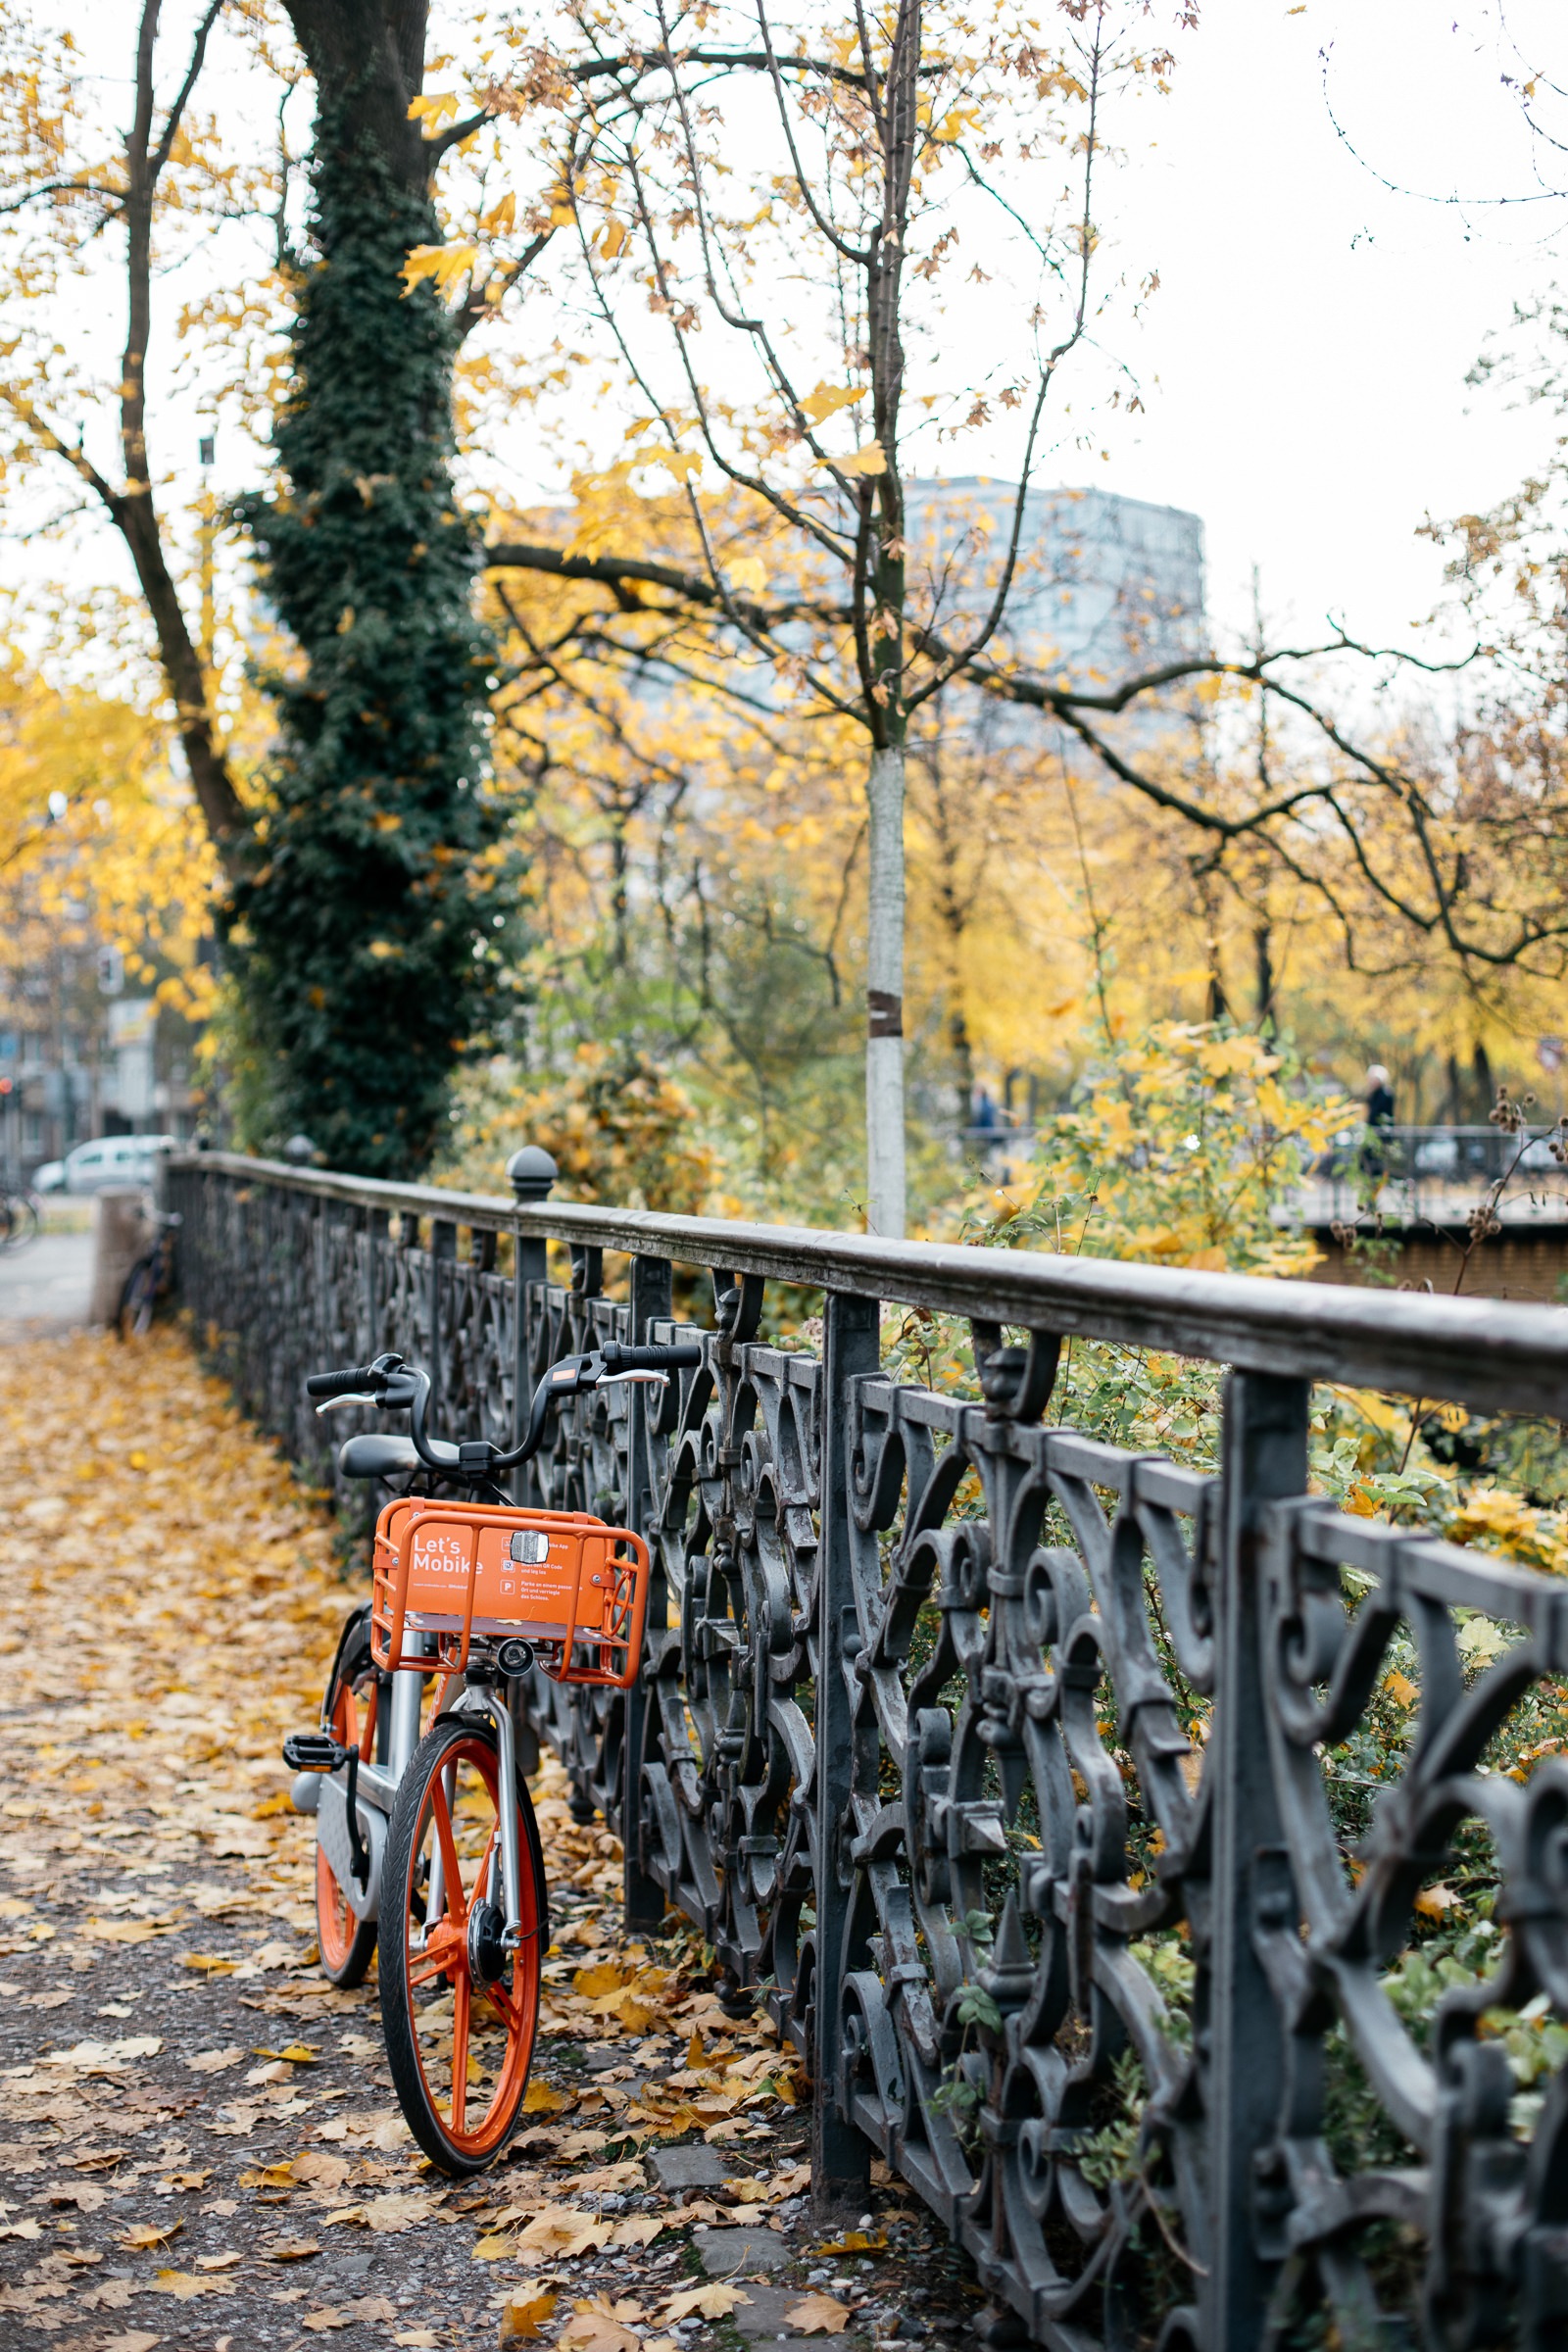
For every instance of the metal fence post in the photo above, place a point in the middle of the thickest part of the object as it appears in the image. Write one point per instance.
(532, 1173)
(652, 1302)
(841, 2156)
(375, 1227)
(1265, 1460)
(443, 1252)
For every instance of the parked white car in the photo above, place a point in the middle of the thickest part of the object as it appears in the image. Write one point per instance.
(112, 1160)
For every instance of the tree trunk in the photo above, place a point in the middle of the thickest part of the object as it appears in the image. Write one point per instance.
(372, 52)
(884, 996)
(372, 918)
(1263, 948)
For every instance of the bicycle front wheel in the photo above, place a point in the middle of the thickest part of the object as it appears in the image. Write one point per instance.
(459, 2009)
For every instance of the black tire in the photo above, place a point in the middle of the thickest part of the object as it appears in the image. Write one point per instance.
(346, 1944)
(18, 1220)
(508, 2000)
(137, 1299)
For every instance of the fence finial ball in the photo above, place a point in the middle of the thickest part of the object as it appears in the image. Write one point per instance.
(532, 1172)
(299, 1151)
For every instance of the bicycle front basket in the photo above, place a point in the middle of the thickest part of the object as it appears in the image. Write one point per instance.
(569, 1583)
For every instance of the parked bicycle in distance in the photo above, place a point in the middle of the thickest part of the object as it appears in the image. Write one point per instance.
(151, 1279)
(19, 1215)
(428, 1850)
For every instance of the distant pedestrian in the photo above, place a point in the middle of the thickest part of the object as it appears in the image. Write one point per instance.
(1378, 1096)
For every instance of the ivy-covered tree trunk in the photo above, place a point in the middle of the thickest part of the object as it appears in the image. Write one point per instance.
(359, 930)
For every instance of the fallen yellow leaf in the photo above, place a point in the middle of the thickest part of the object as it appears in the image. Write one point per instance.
(524, 2315)
(639, 2230)
(713, 2302)
(399, 2209)
(542, 2098)
(819, 2315)
(151, 2233)
(185, 2286)
(314, 2163)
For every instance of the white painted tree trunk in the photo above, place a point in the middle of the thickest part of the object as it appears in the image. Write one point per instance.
(884, 996)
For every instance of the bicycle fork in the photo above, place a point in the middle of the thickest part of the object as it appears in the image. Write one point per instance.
(479, 1700)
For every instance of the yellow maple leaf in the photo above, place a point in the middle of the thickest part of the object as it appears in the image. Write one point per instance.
(525, 2313)
(819, 2315)
(443, 264)
(639, 2230)
(185, 2286)
(563, 2229)
(1399, 1686)
(598, 2326)
(825, 402)
(543, 2098)
(713, 2302)
(869, 458)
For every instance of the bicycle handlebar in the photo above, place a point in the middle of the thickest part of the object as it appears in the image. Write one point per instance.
(684, 1353)
(340, 1384)
(396, 1387)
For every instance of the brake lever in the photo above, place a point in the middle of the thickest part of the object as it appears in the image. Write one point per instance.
(611, 1379)
(332, 1403)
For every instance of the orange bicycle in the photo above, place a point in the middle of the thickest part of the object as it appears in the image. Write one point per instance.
(426, 1848)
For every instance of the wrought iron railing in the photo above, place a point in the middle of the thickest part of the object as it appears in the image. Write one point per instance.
(1434, 1175)
(924, 1673)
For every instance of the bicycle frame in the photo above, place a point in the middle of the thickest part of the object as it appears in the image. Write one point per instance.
(375, 1788)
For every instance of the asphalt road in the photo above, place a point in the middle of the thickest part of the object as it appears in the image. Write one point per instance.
(45, 1286)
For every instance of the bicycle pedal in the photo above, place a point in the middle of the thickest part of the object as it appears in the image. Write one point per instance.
(313, 1751)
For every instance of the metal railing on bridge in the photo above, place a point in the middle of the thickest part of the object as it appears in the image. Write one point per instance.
(920, 1666)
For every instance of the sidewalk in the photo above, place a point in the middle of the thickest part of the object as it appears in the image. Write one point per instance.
(45, 1287)
(199, 2146)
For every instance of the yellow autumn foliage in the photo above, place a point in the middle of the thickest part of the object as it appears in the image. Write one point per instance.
(100, 842)
(1180, 1151)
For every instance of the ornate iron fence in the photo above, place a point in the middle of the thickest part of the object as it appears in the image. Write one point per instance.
(919, 1670)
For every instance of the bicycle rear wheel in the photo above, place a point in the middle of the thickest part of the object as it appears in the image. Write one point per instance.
(459, 2012)
(352, 1715)
(138, 1298)
(18, 1220)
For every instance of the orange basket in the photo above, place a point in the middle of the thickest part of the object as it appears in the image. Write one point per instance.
(564, 1581)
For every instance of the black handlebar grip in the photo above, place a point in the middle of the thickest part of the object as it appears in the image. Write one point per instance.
(339, 1383)
(662, 1360)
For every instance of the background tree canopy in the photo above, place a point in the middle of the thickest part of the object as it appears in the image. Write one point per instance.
(476, 782)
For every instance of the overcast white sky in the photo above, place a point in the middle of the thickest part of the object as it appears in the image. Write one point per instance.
(1313, 331)
(1303, 362)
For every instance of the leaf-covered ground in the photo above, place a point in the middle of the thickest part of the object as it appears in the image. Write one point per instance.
(199, 2146)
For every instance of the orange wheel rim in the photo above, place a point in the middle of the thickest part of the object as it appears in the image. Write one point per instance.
(473, 2042)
